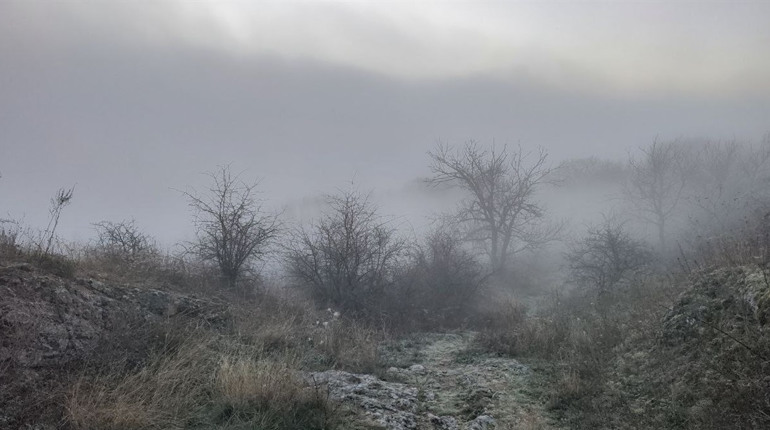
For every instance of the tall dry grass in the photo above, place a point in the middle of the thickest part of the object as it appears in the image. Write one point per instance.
(206, 382)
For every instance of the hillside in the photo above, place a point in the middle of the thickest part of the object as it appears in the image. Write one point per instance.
(79, 353)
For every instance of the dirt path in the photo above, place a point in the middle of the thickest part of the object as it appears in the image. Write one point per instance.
(458, 389)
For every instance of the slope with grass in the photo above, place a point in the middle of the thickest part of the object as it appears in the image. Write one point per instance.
(648, 358)
(78, 353)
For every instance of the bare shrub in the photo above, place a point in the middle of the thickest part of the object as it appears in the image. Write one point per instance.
(440, 286)
(349, 258)
(10, 238)
(123, 241)
(510, 331)
(233, 230)
(605, 256)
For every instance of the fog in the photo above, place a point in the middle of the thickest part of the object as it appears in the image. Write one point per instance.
(132, 102)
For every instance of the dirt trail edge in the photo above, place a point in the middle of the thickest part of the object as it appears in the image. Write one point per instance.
(434, 381)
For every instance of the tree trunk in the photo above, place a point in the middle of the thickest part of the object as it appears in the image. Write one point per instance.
(662, 234)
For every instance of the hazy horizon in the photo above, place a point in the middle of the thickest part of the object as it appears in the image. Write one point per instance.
(132, 101)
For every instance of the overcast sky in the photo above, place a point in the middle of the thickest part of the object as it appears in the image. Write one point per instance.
(132, 100)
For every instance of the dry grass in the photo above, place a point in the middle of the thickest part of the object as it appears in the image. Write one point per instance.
(164, 393)
(349, 345)
(180, 373)
(204, 383)
(511, 331)
(268, 394)
(248, 377)
(577, 339)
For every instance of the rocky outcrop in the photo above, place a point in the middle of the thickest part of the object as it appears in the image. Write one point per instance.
(706, 365)
(49, 324)
(48, 321)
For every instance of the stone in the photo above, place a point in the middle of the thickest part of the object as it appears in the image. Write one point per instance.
(481, 422)
(390, 404)
(417, 368)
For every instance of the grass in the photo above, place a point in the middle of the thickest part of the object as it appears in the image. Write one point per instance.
(249, 378)
(202, 380)
(631, 358)
(205, 383)
(180, 372)
(680, 351)
(573, 340)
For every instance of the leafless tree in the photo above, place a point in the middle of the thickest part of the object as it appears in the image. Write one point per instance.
(606, 255)
(123, 240)
(756, 169)
(501, 209)
(232, 228)
(348, 257)
(716, 183)
(657, 183)
(58, 202)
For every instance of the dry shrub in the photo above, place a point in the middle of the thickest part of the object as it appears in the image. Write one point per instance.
(577, 337)
(510, 331)
(10, 246)
(164, 270)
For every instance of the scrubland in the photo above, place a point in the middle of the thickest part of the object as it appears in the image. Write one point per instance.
(658, 322)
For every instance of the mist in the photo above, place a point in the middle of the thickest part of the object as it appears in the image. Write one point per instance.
(131, 116)
(402, 215)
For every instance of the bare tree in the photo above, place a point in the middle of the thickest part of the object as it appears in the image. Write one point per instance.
(501, 210)
(606, 255)
(656, 184)
(717, 184)
(232, 228)
(349, 256)
(58, 202)
(756, 170)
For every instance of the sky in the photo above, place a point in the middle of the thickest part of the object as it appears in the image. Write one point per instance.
(132, 101)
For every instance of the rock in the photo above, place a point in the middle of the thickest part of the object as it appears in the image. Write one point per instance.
(417, 368)
(481, 422)
(443, 423)
(390, 404)
(49, 323)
